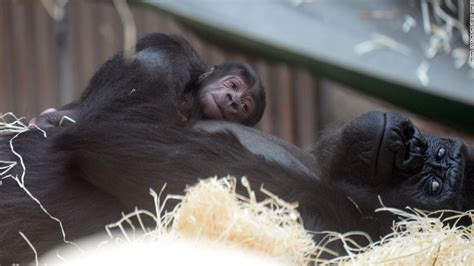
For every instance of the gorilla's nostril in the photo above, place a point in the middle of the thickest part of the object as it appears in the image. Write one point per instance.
(234, 106)
(410, 156)
(408, 161)
(229, 97)
(408, 145)
(407, 130)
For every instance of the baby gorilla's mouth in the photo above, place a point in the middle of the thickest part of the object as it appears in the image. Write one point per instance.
(218, 107)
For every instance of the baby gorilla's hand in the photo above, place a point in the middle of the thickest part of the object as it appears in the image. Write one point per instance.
(51, 117)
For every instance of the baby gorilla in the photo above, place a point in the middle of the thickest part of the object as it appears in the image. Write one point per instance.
(229, 92)
(167, 70)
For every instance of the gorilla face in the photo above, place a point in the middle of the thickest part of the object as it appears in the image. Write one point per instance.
(385, 154)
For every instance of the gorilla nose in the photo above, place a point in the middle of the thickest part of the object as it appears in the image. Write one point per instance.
(233, 101)
(402, 147)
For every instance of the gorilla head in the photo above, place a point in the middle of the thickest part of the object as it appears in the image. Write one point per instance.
(384, 154)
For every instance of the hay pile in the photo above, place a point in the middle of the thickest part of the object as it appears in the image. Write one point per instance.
(212, 210)
(420, 239)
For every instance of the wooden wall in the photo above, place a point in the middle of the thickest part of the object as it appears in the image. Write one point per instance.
(37, 71)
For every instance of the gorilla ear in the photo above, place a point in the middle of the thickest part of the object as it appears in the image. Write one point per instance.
(206, 74)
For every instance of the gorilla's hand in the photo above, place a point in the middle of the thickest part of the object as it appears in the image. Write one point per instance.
(52, 117)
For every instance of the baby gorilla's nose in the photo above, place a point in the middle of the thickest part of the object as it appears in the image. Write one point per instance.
(229, 97)
(233, 100)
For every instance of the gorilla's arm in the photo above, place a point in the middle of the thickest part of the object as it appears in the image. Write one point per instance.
(268, 146)
(161, 62)
(162, 70)
(136, 157)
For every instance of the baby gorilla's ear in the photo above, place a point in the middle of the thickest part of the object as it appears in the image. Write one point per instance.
(206, 74)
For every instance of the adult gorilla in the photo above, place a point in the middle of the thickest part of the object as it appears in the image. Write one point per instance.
(88, 173)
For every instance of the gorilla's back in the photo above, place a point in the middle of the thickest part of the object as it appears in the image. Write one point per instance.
(270, 147)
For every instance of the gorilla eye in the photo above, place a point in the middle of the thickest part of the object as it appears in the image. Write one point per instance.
(440, 153)
(233, 85)
(434, 187)
(245, 107)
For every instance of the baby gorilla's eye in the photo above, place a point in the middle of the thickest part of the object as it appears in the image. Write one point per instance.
(233, 85)
(435, 186)
(245, 107)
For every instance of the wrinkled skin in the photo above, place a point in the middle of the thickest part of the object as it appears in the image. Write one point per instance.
(388, 155)
(227, 98)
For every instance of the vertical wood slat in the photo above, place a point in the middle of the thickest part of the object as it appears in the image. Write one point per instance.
(47, 90)
(283, 102)
(6, 77)
(266, 124)
(155, 22)
(74, 33)
(23, 58)
(110, 32)
(34, 88)
(140, 21)
(216, 55)
(96, 33)
(305, 103)
(86, 41)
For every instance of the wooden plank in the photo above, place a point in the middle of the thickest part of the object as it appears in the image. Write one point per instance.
(307, 108)
(6, 80)
(334, 57)
(155, 21)
(32, 34)
(23, 58)
(216, 55)
(87, 43)
(206, 51)
(198, 45)
(266, 124)
(284, 102)
(172, 26)
(140, 21)
(76, 47)
(47, 90)
(93, 16)
(110, 32)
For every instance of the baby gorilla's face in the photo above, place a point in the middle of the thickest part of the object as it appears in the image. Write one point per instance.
(226, 98)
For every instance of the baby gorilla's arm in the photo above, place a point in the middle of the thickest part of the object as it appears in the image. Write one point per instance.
(52, 117)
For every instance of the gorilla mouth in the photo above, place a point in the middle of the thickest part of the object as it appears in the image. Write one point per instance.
(218, 107)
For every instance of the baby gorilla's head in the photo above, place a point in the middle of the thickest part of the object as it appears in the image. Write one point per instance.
(231, 92)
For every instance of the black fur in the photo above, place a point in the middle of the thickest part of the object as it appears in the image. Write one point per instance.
(164, 71)
(125, 143)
